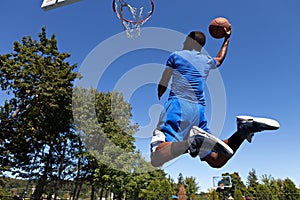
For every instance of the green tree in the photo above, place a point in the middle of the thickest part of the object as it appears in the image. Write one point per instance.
(213, 195)
(263, 192)
(269, 187)
(91, 140)
(104, 123)
(158, 188)
(238, 195)
(174, 185)
(136, 182)
(4, 193)
(36, 123)
(252, 180)
(275, 189)
(237, 183)
(289, 190)
(191, 186)
(252, 183)
(180, 179)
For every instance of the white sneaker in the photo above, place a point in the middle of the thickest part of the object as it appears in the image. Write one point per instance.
(249, 125)
(201, 141)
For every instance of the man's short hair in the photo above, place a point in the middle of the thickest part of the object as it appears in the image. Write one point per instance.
(198, 36)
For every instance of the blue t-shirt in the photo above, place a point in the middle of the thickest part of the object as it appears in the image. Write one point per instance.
(190, 71)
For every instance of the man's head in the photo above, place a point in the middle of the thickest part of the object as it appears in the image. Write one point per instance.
(195, 40)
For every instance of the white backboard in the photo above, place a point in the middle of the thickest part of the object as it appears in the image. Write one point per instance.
(222, 181)
(52, 4)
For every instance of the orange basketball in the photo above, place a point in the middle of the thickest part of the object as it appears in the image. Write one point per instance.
(216, 27)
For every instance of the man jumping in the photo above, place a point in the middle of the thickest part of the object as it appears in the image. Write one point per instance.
(182, 126)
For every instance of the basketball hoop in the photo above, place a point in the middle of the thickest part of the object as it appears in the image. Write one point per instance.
(133, 14)
(222, 182)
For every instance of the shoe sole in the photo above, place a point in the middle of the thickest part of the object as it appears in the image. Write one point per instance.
(221, 146)
(270, 124)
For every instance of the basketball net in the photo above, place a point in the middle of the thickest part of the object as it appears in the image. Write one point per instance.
(132, 18)
(133, 28)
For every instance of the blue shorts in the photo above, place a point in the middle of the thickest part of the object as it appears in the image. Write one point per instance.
(178, 117)
(176, 121)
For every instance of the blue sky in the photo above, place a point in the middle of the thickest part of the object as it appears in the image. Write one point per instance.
(260, 73)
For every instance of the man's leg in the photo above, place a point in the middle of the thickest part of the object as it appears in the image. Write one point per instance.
(198, 143)
(246, 126)
(203, 143)
(167, 151)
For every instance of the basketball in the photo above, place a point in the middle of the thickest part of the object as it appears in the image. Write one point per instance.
(216, 27)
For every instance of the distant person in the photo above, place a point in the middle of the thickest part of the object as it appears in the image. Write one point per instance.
(182, 126)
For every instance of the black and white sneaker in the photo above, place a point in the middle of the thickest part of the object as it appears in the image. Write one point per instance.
(201, 141)
(248, 125)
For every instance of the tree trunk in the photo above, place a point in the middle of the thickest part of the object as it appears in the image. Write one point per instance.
(93, 192)
(78, 191)
(39, 190)
(42, 182)
(75, 189)
(77, 179)
(108, 194)
(101, 193)
(60, 170)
